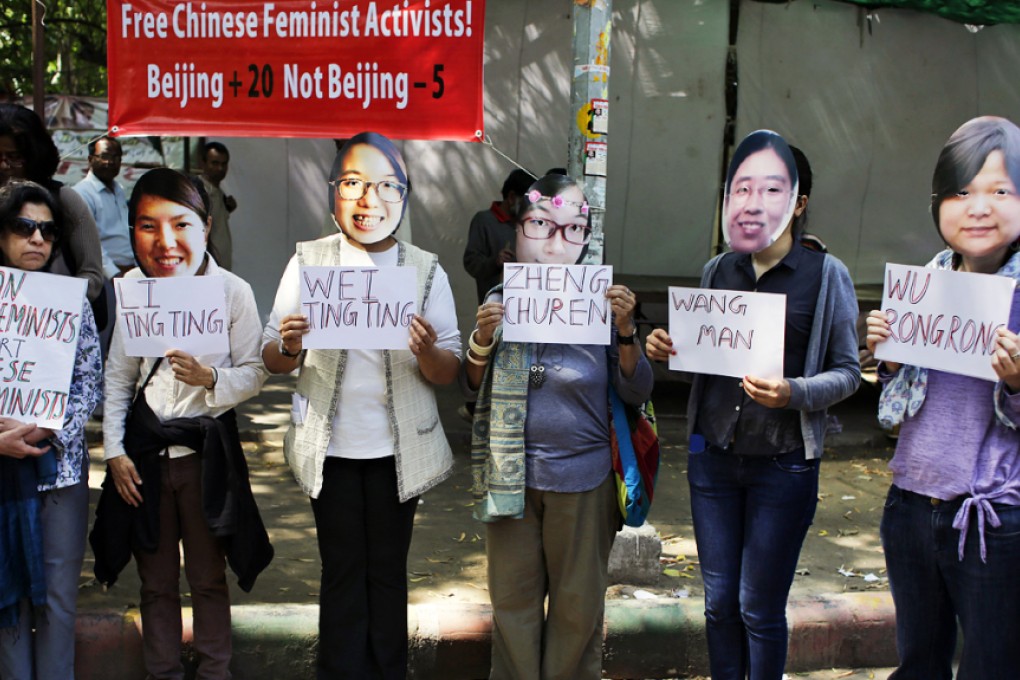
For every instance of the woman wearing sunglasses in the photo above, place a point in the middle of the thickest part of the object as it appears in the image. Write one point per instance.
(366, 440)
(43, 474)
(543, 467)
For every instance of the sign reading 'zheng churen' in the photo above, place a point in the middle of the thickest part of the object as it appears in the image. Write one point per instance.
(40, 322)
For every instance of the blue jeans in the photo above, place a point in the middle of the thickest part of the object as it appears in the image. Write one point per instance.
(750, 518)
(932, 589)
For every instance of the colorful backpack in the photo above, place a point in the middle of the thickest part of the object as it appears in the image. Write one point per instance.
(635, 457)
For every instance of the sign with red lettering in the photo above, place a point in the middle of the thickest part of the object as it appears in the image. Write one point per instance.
(40, 323)
(727, 332)
(188, 313)
(557, 304)
(943, 319)
(297, 68)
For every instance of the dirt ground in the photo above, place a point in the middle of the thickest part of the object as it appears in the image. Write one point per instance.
(447, 560)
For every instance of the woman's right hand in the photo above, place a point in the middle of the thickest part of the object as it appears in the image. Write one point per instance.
(126, 479)
(878, 329)
(293, 328)
(659, 346)
(488, 318)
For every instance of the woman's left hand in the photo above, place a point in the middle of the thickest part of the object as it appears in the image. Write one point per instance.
(622, 301)
(1006, 358)
(423, 336)
(188, 370)
(771, 393)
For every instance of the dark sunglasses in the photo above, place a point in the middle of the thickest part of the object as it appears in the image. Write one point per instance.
(24, 227)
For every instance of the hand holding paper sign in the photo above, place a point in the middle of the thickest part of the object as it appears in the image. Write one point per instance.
(659, 346)
(770, 393)
(438, 366)
(1006, 359)
(189, 370)
(622, 301)
(878, 332)
(17, 439)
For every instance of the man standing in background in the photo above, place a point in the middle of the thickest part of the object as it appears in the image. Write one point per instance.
(491, 235)
(215, 163)
(108, 204)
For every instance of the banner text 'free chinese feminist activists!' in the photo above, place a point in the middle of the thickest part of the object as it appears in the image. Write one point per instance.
(408, 69)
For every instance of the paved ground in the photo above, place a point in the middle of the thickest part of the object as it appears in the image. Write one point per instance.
(447, 562)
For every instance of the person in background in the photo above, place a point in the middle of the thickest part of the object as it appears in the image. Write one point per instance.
(43, 474)
(108, 205)
(215, 164)
(365, 439)
(951, 525)
(541, 455)
(175, 468)
(756, 443)
(28, 152)
(491, 235)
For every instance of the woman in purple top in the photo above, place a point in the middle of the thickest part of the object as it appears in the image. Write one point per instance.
(951, 526)
(541, 454)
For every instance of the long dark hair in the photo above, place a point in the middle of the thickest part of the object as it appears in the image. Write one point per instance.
(16, 194)
(383, 145)
(32, 141)
(965, 154)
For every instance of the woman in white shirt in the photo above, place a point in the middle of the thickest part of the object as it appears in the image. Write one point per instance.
(365, 440)
(164, 439)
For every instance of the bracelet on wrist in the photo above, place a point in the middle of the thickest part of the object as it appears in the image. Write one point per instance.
(484, 361)
(480, 350)
(215, 378)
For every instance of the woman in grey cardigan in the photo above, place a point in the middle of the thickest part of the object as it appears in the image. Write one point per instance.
(755, 443)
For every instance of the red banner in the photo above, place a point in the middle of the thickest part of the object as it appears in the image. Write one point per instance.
(409, 69)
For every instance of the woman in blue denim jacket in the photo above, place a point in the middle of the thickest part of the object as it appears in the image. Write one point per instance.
(755, 443)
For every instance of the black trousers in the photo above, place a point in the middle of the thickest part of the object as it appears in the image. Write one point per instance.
(364, 534)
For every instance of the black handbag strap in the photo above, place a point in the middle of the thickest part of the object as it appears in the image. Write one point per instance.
(155, 366)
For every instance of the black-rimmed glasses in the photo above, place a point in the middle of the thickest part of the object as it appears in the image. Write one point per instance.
(541, 229)
(351, 189)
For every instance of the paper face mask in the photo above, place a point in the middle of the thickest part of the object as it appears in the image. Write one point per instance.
(761, 192)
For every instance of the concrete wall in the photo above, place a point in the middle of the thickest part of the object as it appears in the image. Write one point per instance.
(871, 109)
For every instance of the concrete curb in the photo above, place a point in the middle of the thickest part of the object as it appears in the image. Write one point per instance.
(450, 641)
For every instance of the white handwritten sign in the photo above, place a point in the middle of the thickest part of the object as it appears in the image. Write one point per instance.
(40, 322)
(943, 319)
(188, 313)
(557, 303)
(358, 307)
(727, 332)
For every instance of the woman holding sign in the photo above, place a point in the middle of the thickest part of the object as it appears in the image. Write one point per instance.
(755, 443)
(951, 526)
(176, 472)
(365, 439)
(43, 473)
(543, 465)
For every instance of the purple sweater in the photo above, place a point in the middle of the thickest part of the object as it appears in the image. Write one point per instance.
(955, 446)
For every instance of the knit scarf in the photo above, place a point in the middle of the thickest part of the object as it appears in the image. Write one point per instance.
(904, 394)
(497, 435)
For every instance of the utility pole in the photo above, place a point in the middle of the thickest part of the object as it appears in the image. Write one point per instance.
(38, 62)
(589, 106)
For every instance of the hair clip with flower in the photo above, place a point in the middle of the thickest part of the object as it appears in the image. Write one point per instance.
(534, 196)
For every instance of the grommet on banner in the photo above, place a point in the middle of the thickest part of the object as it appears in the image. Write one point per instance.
(478, 134)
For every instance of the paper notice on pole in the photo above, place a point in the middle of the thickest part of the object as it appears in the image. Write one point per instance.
(724, 332)
(943, 319)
